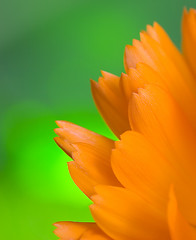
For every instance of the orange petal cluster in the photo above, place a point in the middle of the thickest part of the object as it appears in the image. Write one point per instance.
(143, 186)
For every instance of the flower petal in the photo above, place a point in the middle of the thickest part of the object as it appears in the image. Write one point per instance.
(138, 77)
(79, 231)
(180, 229)
(111, 102)
(189, 38)
(147, 107)
(140, 167)
(159, 35)
(64, 145)
(154, 114)
(70, 133)
(175, 77)
(92, 166)
(123, 215)
(126, 85)
(135, 54)
(91, 154)
(81, 179)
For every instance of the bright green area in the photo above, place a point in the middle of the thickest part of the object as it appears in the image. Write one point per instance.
(48, 53)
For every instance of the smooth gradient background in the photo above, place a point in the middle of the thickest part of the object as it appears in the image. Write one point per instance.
(48, 52)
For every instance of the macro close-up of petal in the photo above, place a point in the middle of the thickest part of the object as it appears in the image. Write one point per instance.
(142, 185)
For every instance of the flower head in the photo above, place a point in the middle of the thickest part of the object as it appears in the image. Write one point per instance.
(142, 186)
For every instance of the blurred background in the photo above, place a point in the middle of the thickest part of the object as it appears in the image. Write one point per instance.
(49, 50)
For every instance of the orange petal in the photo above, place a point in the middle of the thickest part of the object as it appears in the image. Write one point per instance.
(189, 38)
(141, 168)
(93, 165)
(154, 114)
(135, 54)
(123, 215)
(71, 230)
(143, 74)
(146, 108)
(91, 153)
(175, 75)
(70, 133)
(138, 77)
(180, 229)
(111, 102)
(81, 179)
(158, 34)
(64, 145)
(79, 231)
(126, 85)
(183, 90)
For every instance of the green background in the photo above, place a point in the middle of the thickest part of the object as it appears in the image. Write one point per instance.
(48, 52)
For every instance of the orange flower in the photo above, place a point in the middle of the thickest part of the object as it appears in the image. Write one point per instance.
(144, 185)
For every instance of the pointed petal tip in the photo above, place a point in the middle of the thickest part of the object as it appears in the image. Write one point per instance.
(56, 130)
(108, 75)
(123, 75)
(55, 139)
(57, 224)
(143, 35)
(128, 46)
(185, 11)
(185, 14)
(91, 80)
(103, 72)
(135, 42)
(155, 24)
(65, 124)
(58, 121)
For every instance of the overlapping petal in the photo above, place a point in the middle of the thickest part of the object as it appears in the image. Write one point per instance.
(140, 167)
(70, 133)
(95, 164)
(159, 35)
(138, 77)
(79, 231)
(91, 154)
(124, 215)
(154, 114)
(129, 181)
(174, 74)
(111, 102)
